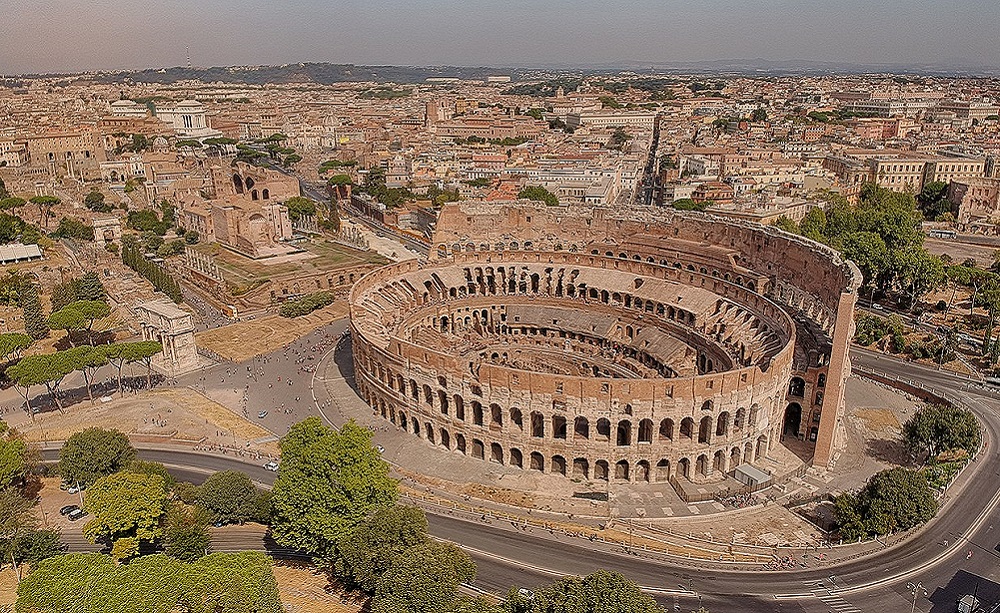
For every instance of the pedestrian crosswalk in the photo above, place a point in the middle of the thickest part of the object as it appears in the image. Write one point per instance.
(834, 602)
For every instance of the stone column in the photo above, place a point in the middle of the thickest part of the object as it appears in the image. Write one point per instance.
(838, 372)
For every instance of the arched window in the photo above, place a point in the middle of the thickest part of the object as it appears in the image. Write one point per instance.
(646, 431)
(624, 433)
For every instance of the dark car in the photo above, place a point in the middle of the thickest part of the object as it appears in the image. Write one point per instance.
(76, 514)
(66, 510)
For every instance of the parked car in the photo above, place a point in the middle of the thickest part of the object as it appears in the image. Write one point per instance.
(271, 466)
(66, 510)
(76, 488)
(262, 415)
(76, 514)
(380, 448)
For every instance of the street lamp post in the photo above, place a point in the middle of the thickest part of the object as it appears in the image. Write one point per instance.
(914, 590)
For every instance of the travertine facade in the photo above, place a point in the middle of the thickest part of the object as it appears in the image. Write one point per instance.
(162, 321)
(634, 345)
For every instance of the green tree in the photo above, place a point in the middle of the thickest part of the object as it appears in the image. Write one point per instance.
(36, 545)
(600, 592)
(229, 496)
(125, 505)
(869, 252)
(93, 453)
(185, 534)
(148, 584)
(95, 202)
(144, 221)
(12, 202)
(367, 552)
(73, 228)
(328, 483)
(937, 428)
(91, 582)
(758, 114)
(238, 582)
(12, 345)
(933, 200)
(687, 204)
(35, 323)
(26, 375)
(88, 360)
(339, 180)
(538, 194)
(186, 492)
(191, 237)
(17, 520)
(47, 369)
(120, 354)
(299, 206)
(62, 294)
(891, 501)
(145, 467)
(917, 272)
(14, 458)
(786, 224)
(45, 205)
(67, 319)
(424, 579)
(60, 583)
(91, 311)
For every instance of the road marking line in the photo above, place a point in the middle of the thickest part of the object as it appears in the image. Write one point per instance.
(553, 573)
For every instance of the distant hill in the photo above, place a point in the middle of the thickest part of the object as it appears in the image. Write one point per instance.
(322, 73)
(318, 73)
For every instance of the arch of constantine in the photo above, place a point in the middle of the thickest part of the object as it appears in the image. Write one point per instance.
(637, 345)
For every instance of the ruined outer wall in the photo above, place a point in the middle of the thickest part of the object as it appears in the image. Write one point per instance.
(627, 429)
(810, 279)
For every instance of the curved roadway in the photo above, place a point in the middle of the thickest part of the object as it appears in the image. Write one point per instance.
(507, 557)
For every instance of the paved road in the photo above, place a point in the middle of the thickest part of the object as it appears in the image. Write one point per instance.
(508, 557)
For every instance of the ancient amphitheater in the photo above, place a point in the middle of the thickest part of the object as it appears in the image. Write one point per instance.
(639, 345)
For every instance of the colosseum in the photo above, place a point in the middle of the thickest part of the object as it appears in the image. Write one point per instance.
(629, 345)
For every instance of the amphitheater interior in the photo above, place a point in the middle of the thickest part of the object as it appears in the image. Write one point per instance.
(637, 345)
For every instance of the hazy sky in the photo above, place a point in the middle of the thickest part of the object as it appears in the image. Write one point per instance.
(70, 35)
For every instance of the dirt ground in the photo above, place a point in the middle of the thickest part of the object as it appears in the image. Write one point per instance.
(305, 590)
(8, 589)
(760, 525)
(243, 340)
(178, 415)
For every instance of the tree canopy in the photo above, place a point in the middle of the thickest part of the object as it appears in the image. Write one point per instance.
(185, 532)
(891, 501)
(424, 579)
(938, 428)
(230, 497)
(328, 483)
(299, 206)
(538, 194)
(44, 369)
(12, 344)
(882, 235)
(125, 506)
(933, 201)
(93, 453)
(368, 551)
(92, 582)
(600, 592)
(14, 458)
